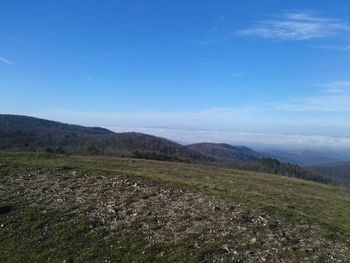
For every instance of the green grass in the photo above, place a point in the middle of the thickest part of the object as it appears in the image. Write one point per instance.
(325, 204)
(287, 200)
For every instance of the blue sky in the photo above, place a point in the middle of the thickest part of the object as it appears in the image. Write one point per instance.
(236, 71)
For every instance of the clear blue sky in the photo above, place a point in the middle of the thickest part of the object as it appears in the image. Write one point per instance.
(258, 67)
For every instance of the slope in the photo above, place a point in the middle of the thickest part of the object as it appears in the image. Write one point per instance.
(106, 209)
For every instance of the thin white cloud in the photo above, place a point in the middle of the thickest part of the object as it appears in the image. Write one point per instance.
(296, 26)
(206, 63)
(336, 98)
(338, 87)
(236, 74)
(42, 51)
(118, 52)
(323, 103)
(345, 48)
(6, 61)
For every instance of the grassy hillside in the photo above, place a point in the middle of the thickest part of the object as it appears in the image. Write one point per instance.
(338, 172)
(22, 133)
(245, 158)
(104, 209)
(273, 166)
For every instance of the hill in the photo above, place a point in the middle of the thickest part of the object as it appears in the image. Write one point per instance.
(245, 158)
(273, 166)
(304, 158)
(338, 172)
(56, 208)
(22, 133)
(227, 153)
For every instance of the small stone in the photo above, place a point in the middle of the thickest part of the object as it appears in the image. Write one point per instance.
(215, 208)
(253, 240)
(242, 228)
(225, 246)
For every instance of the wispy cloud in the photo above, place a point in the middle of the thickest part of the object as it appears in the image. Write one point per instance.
(345, 48)
(43, 51)
(206, 63)
(335, 98)
(338, 87)
(325, 103)
(236, 74)
(118, 52)
(296, 26)
(6, 61)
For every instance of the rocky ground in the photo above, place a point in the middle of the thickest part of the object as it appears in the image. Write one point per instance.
(74, 215)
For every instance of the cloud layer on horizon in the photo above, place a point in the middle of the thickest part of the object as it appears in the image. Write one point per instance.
(249, 127)
(251, 139)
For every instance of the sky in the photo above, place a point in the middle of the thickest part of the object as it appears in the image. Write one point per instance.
(269, 73)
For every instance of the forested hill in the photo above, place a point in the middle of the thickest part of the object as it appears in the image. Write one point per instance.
(273, 166)
(227, 153)
(22, 133)
(339, 172)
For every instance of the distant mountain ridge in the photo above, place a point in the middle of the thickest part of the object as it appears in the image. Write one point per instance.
(245, 158)
(303, 158)
(227, 153)
(23, 133)
(26, 124)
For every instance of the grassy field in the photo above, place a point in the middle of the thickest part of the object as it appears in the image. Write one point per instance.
(55, 208)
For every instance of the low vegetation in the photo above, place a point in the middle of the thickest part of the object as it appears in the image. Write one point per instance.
(104, 209)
